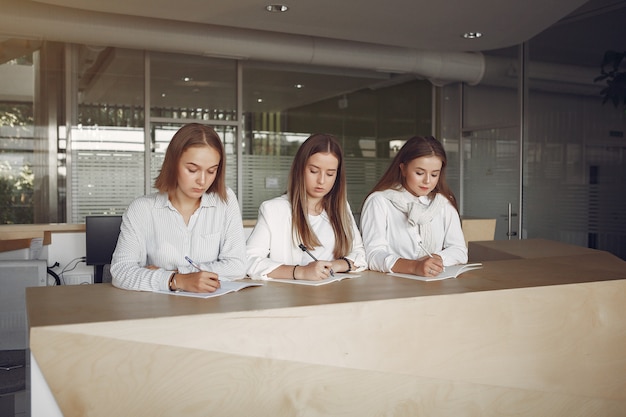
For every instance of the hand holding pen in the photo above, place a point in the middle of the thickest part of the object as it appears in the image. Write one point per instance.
(202, 281)
(304, 249)
(424, 249)
(432, 265)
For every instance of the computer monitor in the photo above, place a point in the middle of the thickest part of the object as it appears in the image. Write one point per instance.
(101, 233)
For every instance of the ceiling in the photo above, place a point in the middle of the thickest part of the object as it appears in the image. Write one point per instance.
(571, 32)
(422, 25)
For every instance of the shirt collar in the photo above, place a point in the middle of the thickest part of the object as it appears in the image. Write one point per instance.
(207, 200)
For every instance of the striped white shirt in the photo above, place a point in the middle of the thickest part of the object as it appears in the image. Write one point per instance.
(153, 232)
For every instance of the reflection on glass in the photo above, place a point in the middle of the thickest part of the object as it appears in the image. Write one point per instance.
(107, 143)
(17, 142)
(368, 111)
(192, 87)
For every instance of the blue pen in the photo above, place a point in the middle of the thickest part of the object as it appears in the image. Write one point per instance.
(195, 265)
(304, 249)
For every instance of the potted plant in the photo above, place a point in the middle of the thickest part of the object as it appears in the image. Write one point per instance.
(615, 89)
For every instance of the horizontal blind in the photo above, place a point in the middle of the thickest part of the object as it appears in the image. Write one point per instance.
(265, 177)
(105, 182)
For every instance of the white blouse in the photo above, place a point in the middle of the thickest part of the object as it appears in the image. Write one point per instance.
(271, 244)
(153, 232)
(388, 236)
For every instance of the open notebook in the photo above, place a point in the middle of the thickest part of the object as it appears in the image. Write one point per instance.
(449, 272)
(337, 277)
(225, 288)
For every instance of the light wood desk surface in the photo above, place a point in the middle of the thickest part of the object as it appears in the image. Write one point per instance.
(74, 304)
(496, 250)
(538, 337)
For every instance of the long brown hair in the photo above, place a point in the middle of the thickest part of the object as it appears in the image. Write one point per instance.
(417, 147)
(335, 202)
(190, 135)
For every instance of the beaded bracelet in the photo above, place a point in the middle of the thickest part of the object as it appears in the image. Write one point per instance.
(348, 262)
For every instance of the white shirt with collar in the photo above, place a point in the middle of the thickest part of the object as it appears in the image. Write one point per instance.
(388, 236)
(153, 232)
(271, 244)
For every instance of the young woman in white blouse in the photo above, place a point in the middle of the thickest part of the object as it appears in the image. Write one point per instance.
(410, 220)
(314, 216)
(192, 215)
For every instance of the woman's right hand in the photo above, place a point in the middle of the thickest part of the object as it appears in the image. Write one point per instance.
(429, 266)
(202, 281)
(315, 271)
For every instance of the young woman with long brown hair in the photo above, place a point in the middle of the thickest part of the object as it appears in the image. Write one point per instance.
(309, 232)
(410, 220)
(193, 214)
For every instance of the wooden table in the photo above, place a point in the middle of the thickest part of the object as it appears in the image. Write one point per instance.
(537, 336)
(498, 250)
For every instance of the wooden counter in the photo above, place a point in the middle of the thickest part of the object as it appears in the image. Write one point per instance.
(537, 337)
(19, 236)
(497, 250)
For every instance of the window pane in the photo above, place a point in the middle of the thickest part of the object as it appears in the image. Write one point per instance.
(367, 111)
(107, 142)
(192, 87)
(17, 142)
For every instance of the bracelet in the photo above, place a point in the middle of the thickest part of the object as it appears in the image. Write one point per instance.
(293, 273)
(348, 262)
(172, 280)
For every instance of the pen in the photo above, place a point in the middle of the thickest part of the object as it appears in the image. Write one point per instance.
(304, 249)
(195, 265)
(424, 249)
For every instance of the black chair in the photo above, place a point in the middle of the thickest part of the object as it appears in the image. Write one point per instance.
(12, 378)
(15, 277)
(101, 233)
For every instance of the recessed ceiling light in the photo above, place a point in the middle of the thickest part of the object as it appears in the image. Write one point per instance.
(299, 86)
(187, 79)
(276, 8)
(259, 100)
(472, 35)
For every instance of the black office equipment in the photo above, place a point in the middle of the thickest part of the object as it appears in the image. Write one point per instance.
(101, 233)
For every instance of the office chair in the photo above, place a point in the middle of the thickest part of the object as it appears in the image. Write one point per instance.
(15, 277)
(12, 378)
(101, 233)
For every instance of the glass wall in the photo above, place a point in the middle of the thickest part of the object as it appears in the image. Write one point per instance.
(106, 137)
(485, 121)
(369, 112)
(576, 170)
(17, 132)
(97, 147)
(553, 137)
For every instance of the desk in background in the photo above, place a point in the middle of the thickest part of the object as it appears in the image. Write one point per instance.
(499, 250)
(537, 337)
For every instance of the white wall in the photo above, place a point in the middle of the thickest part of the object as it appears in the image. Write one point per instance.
(67, 249)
